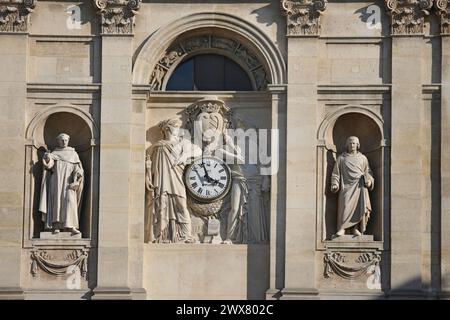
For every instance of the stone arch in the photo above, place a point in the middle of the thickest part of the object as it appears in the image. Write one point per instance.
(251, 40)
(328, 123)
(36, 125)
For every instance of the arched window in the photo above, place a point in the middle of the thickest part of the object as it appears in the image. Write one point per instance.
(209, 72)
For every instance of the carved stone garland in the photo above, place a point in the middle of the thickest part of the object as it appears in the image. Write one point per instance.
(303, 16)
(179, 51)
(118, 16)
(443, 10)
(336, 262)
(408, 16)
(14, 14)
(46, 262)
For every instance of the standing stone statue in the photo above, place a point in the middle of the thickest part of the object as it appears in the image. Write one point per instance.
(62, 188)
(353, 179)
(171, 218)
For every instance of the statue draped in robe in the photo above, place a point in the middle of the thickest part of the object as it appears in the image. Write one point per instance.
(169, 211)
(353, 178)
(62, 188)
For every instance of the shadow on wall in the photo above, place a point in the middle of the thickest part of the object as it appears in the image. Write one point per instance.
(258, 271)
(375, 17)
(265, 16)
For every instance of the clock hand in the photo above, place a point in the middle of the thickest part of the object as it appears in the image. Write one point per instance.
(208, 178)
(200, 177)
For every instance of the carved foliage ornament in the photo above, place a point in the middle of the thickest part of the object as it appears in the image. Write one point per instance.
(45, 261)
(303, 16)
(14, 14)
(188, 47)
(443, 10)
(408, 16)
(118, 16)
(336, 262)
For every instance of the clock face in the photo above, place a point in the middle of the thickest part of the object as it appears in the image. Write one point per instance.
(207, 179)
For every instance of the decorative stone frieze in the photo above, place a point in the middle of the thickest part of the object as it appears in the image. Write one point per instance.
(207, 43)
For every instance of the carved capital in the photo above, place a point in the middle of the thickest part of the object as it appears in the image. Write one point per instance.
(408, 16)
(443, 11)
(118, 16)
(303, 16)
(14, 14)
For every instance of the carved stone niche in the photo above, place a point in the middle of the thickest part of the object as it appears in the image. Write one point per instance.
(368, 127)
(15, 14)
(41, 134)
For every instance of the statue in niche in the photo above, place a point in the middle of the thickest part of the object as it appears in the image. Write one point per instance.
(62, 188)
(164, 179)
(353, 179)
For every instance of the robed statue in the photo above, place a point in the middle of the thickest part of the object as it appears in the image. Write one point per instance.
(353, 179)
(62, 188)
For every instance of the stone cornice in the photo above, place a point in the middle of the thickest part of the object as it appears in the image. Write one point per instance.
(443, 11)
(14, 15)
(303, 16)
(118, 16)
(408, 16)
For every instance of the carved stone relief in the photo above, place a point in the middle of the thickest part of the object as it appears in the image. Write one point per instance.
(58, 262)
(177, 52)
(408, 16)
(217, 192)
(118, 16)
(14, 15)
(351, 266)
(303, 16)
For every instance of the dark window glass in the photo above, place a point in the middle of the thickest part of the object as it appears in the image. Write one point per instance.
(209, 72)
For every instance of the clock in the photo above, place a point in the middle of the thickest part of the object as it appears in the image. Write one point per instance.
(207, 179)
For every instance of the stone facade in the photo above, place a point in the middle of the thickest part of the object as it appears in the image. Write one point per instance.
(320, 70)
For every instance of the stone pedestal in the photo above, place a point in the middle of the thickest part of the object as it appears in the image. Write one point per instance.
(351, 238)
(61, 235)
